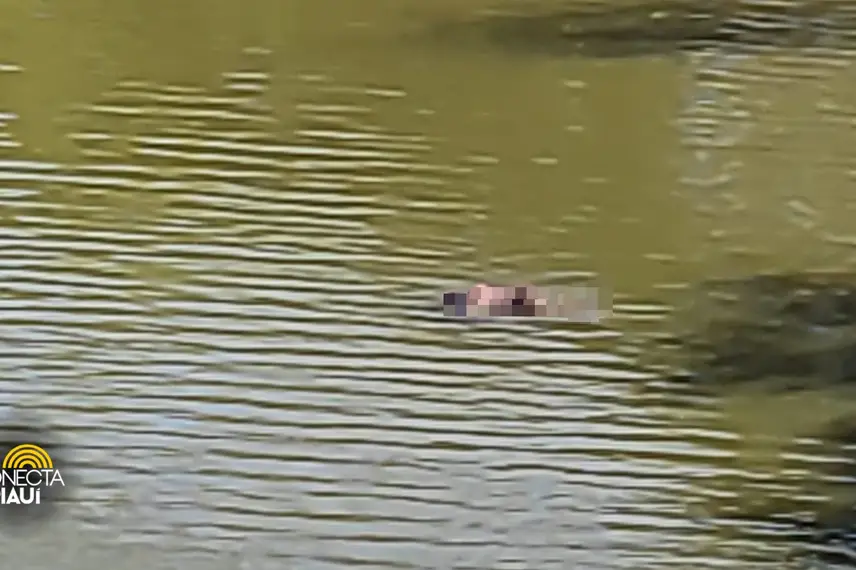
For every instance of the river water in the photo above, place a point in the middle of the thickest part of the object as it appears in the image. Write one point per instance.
(225, 227)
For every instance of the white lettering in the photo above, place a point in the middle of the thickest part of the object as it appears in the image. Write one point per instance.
(20, 496)
(30, 477)
(56, 476)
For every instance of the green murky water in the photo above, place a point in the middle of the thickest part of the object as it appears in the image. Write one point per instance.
(222, 225)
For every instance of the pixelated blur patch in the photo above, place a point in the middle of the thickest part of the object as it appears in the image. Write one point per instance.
(454, 304)
(584, 304)
(35, 474)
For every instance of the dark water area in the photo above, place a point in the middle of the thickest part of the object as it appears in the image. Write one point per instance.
(662, 28)
(226, 227)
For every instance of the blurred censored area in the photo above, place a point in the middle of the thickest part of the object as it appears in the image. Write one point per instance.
(577, 303)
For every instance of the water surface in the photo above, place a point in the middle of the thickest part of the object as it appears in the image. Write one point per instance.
(224, 227)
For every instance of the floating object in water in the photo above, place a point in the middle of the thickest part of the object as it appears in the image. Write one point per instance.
(578, 304)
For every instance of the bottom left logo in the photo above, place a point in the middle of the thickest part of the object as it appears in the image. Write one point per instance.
(28, 473)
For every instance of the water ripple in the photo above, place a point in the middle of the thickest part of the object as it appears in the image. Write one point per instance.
(233, 324)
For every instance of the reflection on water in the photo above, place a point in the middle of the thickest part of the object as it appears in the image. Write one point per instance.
(224, 294)
(661, 27)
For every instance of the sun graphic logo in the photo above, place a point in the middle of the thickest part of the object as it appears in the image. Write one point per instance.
(27, 470)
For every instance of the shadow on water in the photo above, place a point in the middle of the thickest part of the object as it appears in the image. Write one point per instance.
(801, 326)
(612, 30)
(784, 342)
